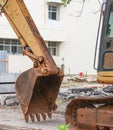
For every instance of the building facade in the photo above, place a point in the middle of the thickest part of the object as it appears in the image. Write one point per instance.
(69, 33)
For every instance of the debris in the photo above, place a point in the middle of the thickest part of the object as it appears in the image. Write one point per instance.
(79, 91)
(11, 101)
(108, 89)
(8, 100)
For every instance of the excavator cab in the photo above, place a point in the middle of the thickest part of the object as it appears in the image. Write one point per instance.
(95, 112)
(105, 61)
(38, 87)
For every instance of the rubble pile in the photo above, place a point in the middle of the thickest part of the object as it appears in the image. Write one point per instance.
(8, 100)
(83, 91)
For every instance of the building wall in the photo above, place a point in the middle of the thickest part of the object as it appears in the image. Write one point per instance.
(78, 50)
(76, 35)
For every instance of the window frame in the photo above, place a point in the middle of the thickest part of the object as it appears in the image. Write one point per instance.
(9, 45)
(53, 48)
(109, 31)
(53, 5)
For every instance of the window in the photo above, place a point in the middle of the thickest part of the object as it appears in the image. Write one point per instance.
(53, 12)
(108, 60)
(53, 48)
(11, 46)
(110, 23)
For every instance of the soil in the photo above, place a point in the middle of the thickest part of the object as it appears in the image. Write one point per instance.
(11, 118)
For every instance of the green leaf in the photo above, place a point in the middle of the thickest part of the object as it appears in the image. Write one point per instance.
(66, 2)
(63, 127)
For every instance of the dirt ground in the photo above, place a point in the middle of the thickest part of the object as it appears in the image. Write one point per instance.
(11, 118)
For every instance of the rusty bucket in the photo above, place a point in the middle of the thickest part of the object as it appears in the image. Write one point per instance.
(37, 93)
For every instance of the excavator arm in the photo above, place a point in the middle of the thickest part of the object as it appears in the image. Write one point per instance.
(28, 34)
(38, 87)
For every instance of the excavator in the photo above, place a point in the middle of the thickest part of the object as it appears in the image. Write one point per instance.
(38, 87)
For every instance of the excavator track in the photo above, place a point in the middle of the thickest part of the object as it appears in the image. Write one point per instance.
(84, 102)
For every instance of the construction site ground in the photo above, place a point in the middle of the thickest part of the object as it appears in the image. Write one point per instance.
(11, 117)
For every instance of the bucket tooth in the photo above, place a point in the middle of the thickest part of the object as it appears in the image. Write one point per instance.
(43, 116)
(38, 117)
(32, 117)
(26, 118)
(49, 114)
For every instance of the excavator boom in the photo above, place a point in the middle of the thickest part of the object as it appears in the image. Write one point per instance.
(38, 87)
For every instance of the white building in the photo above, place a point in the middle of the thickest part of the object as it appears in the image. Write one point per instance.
(69, 32)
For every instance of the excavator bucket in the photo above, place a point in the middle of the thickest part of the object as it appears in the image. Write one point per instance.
(37, 93)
